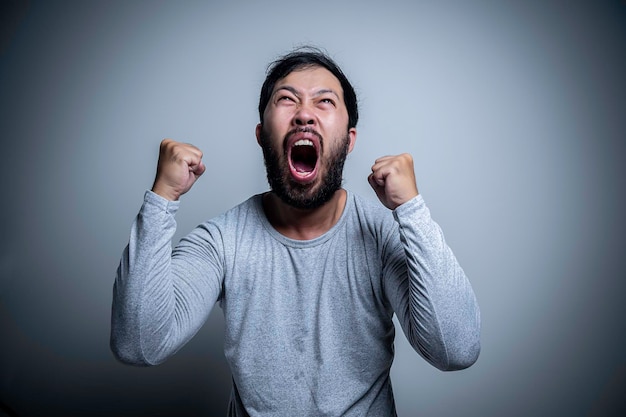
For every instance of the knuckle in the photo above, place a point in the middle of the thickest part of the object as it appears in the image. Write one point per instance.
(407, 157)
(165, 143)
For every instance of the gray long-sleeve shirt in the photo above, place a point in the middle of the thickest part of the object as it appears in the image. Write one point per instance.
(309, 326)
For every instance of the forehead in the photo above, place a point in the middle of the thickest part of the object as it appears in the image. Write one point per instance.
(311, 80)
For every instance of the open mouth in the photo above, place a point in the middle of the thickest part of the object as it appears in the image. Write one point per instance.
(303, 158)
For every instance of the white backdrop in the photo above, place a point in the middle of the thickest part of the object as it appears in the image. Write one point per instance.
(513, 111)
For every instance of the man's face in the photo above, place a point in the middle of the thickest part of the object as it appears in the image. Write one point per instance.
(305, 137)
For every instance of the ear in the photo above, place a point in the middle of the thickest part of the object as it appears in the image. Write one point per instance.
(352, 137)
(257, 132)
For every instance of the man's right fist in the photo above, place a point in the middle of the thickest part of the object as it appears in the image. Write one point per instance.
(180, 165)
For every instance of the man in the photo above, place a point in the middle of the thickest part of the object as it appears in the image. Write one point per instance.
(308, 275)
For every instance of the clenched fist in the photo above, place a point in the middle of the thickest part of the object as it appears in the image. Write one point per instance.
(180, 165)
(393, 180)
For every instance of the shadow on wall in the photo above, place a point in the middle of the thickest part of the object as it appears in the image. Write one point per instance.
(5, 411)
(11, 15)
(196, 381)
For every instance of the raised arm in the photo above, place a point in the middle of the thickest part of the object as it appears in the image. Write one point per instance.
(160, 298)
(426, 286)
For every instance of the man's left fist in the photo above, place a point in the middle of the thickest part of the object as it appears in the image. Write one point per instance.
(393, 180)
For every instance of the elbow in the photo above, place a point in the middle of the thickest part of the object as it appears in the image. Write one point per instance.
(129, 350)
(463, 358)
(126, 358)
(126, 349)
(125, 339)
(459, 358)
(455, 353)
(124, 353)
(463, 346)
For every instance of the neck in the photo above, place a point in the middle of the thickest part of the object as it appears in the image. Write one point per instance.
(303, 224)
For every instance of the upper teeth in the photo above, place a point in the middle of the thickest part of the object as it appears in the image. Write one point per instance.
(303, 142)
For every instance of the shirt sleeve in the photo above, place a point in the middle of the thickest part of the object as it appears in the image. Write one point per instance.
(161, 297)
(429, 292)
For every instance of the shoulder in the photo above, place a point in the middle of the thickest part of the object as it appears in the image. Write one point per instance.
(370, 214)
(247, 207)
(234, 217)
(368, 207)
(231, 222)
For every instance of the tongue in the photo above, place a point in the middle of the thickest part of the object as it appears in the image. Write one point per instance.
(302, 166)
(303, 159)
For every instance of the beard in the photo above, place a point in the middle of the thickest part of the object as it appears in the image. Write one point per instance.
(304, 196)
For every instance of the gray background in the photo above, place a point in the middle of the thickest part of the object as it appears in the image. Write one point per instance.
(515, 115)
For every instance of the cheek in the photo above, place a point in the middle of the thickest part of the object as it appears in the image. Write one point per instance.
(338, 123)
(278, 116)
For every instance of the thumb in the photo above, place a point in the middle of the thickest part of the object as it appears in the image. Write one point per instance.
(378, 185)
(198, 169)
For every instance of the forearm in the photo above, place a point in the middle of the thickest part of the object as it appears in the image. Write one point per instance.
(441, 317)
(155, 311)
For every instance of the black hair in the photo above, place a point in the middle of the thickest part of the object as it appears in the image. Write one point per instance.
(306, 57)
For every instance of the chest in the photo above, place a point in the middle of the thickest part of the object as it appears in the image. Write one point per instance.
(280, 288)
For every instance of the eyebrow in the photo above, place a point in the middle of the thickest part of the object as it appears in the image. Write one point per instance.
(289, 88)
(316, 94)
(326, 91)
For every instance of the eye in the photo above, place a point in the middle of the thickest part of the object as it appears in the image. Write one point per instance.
(285, 99)
(327, 100)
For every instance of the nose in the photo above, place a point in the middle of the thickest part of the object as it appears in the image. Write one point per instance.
(304, 116)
